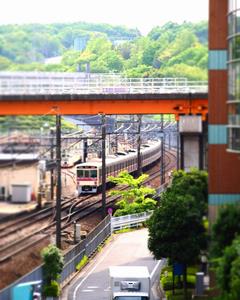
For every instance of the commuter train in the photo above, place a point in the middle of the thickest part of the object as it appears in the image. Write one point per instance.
(89, 174)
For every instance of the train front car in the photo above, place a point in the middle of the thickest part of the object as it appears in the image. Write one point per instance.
(87, 177)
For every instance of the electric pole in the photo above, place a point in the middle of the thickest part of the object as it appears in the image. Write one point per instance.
(52, 169)
(59, 183)
(162, 152)
(103, 166)
(178, 145)
(139, 165)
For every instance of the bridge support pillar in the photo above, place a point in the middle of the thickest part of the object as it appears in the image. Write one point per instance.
(191, 142)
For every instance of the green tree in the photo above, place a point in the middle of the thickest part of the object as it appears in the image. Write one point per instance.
(176, 230)
(135, 198)
(194, 183)
(228, 276)
(52, 268)
(225, 229)
(5, 63)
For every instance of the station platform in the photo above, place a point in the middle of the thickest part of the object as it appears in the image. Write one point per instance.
(9, 209)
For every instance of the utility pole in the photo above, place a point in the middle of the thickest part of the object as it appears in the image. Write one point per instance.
(59, 183)
(116, 137)
(139, 165)
(85, 149)
(103, 166)
(162, 152)
(178, 144)
(52, 169)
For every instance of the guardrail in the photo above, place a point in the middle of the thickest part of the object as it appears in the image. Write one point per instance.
(85, 247)
(42, 83)
(134, 220)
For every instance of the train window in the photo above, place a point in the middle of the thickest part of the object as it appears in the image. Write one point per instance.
(80, 173)
(93, 173)
(87, 173)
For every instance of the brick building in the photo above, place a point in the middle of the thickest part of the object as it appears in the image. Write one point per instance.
(224, 103)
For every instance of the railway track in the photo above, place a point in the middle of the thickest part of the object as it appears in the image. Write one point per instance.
(75, 208)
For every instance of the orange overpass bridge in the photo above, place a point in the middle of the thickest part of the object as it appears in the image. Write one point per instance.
(178, 104)
(73, 93)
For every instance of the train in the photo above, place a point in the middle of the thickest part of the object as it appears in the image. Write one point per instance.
(89, 174)
(69, 159)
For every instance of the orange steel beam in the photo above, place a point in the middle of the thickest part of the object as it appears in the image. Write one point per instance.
(109, 104)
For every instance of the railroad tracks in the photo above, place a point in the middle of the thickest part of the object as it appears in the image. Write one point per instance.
(75, 209)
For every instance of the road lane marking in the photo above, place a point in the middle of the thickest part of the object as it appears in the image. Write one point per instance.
(91, 271)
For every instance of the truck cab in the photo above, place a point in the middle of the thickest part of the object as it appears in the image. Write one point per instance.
(129, 283)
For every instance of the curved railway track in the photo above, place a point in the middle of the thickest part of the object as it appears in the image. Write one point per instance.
(75, 208)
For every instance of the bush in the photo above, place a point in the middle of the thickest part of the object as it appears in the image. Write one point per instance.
(82, 263)
(179, 295)
(52, 289)
(167, 281)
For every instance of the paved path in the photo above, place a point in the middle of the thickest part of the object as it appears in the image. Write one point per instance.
(125, 249)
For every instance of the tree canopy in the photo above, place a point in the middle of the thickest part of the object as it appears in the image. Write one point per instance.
(225, 229)
(228, 271)
(134, 199)
(172, 50)
(176, 230)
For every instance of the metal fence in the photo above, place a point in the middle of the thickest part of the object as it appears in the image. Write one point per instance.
(118, 223)
(86, 247)
(37, 83)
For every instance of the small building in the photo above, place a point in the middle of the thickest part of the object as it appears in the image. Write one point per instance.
(17, 169)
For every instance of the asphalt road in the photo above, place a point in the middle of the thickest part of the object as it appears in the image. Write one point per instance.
(125, 249)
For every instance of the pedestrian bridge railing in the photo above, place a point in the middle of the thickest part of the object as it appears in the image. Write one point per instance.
(44, 83)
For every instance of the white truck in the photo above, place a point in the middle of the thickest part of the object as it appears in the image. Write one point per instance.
(129, 283)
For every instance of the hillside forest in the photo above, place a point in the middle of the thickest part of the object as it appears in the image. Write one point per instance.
(172, 50)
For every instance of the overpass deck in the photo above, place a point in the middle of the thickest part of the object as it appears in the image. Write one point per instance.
(76, 104)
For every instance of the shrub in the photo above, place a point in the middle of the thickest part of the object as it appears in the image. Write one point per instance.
(82, 263)
(52, 289)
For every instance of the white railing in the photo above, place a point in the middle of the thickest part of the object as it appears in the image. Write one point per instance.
(118, 223)
(42, 83)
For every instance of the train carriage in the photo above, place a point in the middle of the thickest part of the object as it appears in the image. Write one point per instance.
(89, 174)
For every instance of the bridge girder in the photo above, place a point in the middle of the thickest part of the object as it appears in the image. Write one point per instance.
(177, 104)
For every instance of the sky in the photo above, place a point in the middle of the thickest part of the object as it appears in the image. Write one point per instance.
(140, 14)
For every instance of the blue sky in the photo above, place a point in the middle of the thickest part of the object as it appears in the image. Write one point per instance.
(139, 14)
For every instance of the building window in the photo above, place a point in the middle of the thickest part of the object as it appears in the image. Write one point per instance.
(234, 75)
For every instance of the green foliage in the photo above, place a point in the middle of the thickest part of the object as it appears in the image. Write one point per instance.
(173, 50)
(228, 276)
(194, 183)
(176, 228)
(166, 280)
(225, 229)
(135, 199)
(5, 63)
(52, 289)
(82, 263)
(33, 122)
(53, 263)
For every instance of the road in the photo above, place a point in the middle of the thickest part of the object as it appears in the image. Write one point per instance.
(125, 249)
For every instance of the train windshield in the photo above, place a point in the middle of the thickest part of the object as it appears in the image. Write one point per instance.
(83, 173)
